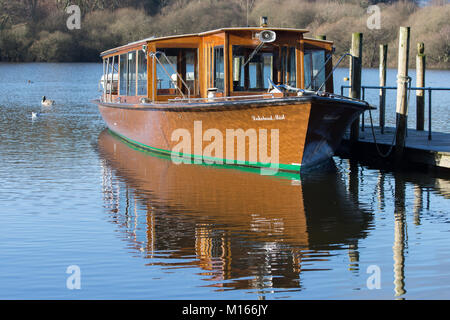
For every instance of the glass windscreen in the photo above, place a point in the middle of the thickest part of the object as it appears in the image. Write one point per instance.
(252, 70)
(314, 69)
(251, 73)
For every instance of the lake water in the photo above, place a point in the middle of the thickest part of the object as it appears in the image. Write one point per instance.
(136, 226)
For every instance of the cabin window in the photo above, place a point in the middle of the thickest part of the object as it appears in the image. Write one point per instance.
(314, 69)
(283, 64)
(288, 66)
(110, 75)
(142, 73)
(127, 85)
(253, 75)
(219, 68)
(123, 75)
(131, 86)
(291, 69)
(179, 61)
(191, 70)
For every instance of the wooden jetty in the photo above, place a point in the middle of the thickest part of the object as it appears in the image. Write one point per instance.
(418, 148)
(401, 145)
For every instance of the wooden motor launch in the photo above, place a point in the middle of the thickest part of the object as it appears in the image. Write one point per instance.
(253, 96)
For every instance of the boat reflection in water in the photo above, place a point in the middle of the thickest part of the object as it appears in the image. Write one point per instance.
(243, 230)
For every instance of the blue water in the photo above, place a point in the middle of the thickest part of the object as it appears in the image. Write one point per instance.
(73, 195)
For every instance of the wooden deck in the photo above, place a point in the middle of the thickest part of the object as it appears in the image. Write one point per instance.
(418, 149)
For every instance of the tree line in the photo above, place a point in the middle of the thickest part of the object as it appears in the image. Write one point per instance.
(36, 30)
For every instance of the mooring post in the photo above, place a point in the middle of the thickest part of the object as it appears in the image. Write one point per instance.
(420, 82)
(355, 80)
(402, 94)
(383, 61)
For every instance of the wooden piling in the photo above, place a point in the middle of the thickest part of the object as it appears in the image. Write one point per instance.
(402, 91)
(355, 80)
(420, 82)
(383, 61)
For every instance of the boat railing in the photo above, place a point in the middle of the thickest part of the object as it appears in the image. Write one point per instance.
(383, 93)
(154, 56)
(303, 92)
(227, 98)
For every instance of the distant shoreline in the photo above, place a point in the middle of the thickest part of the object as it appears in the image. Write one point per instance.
(42, 32)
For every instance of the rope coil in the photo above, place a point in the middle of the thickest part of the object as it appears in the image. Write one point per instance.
(404, 79)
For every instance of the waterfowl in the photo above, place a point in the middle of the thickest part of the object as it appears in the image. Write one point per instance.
(47, 102)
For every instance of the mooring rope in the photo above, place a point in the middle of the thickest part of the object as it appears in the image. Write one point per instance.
(385, 155)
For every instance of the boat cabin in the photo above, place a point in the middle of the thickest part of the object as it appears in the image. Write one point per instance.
(228, 62)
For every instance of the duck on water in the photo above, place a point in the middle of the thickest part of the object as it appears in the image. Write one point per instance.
(46, 102)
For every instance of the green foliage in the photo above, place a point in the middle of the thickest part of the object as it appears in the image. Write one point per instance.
(53, 47)
(14, 42)
(35, 30)
(435, 34)
(198, 16)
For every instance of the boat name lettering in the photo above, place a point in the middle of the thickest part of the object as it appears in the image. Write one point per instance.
(269, 118)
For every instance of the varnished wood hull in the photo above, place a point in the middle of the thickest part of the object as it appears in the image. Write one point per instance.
(309, 129)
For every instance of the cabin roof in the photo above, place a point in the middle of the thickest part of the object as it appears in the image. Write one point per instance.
(253, 29)
(131, 44)
(320, 40)
(151, 39)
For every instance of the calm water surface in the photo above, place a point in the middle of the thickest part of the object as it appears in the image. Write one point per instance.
(140, 227)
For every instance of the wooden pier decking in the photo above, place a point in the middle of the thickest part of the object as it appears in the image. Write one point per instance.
(418, 149)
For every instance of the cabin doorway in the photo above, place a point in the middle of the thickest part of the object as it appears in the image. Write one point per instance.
(177, 71)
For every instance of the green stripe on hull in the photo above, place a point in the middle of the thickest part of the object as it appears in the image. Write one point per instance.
(283, 170)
